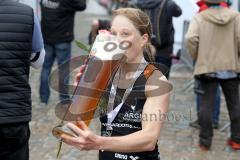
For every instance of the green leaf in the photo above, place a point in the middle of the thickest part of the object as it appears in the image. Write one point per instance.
(82, 46)
(59, 149)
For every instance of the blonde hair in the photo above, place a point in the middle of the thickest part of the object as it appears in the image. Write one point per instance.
(143, 24)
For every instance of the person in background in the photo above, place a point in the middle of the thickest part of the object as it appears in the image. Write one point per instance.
(161, 13)
(216, 111)
(105, 24)
(98, 24)
(57, 27)
(216, 26)
(21, 46)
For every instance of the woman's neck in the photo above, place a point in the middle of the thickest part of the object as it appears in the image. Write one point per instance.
(129, 68)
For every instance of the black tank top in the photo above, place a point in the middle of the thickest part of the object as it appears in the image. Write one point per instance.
(128, 120)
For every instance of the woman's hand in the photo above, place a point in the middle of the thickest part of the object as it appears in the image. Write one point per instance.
(78, 75)
(85, 140)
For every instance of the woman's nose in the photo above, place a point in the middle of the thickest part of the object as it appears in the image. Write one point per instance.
(119, 38)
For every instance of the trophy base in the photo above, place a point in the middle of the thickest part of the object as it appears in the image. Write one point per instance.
(60, 130)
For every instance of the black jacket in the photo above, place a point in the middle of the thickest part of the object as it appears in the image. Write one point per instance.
(16, 30)
(58, 19)
(170, 10)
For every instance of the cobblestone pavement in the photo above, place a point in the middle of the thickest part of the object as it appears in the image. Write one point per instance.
(178, 141)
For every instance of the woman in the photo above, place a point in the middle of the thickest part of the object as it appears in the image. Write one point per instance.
(133, 132)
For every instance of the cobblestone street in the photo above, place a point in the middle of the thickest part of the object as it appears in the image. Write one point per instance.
(178, 141)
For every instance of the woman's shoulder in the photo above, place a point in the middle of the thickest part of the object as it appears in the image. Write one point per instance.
(155, 76)
(151, 71)
(156, 83)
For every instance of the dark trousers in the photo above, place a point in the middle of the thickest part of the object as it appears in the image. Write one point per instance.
(230, 89)
(216, 110)
(61, 52)
(14, 141)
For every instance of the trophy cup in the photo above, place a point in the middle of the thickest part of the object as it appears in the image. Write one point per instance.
(103, 61)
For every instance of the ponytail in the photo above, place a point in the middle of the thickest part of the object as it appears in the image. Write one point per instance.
(149, 53)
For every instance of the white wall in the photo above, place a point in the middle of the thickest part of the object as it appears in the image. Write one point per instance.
(189, 9)
(235, 4)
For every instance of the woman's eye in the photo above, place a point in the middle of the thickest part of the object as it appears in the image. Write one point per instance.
(125, 34)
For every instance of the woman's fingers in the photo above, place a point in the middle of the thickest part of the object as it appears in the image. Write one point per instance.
(68, 139)
(76, 129)
(82, 125)
(77, 79)
(73, 141)
(79, 74)
(65, 138)
(85, 139)
(82, 68)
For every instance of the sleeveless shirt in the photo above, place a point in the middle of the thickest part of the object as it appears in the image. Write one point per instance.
(129, 118)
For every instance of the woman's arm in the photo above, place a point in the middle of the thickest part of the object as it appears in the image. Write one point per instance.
(145, 140)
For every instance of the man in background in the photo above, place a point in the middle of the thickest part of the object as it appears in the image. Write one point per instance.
(57, 27)
(213, 40)
(21, 46)
(161, 13)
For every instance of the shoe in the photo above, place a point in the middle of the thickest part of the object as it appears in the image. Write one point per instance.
(203, 147)
(234, 145)
(215, 125)
(195, 124)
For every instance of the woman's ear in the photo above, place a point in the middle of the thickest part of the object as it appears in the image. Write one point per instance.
(145, 39)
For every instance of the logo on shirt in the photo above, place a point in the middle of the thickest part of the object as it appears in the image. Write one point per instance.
(133, 107)
(121, 156)
(132, 117)
(134, 158)
(50, 4)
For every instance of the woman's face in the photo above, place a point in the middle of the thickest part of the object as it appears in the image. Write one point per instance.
(124, 29)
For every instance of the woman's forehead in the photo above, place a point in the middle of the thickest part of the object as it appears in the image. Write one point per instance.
(122, 22)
